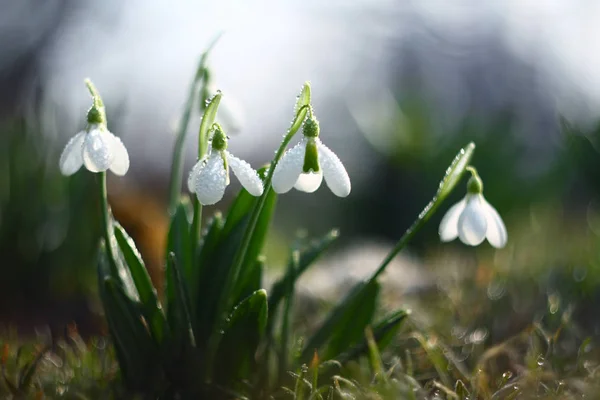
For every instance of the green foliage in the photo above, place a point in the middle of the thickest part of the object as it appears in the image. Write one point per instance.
(214, 333)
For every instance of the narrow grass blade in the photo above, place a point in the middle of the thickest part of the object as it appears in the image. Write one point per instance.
(383, 332)
(179, 312)
(180, 245)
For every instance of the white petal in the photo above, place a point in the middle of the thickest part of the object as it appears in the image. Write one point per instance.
(71, 158)
(211, 180)
(309, 182)
(449, 226)
(120, 163)
(98, 150)
(247, 176)
(193, 173)
(335, 174)
(472, 223)
(289, 168)
(496, 231)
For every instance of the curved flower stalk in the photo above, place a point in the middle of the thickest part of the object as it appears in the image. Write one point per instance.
(305, 165)
(210, 176)
(473, 219)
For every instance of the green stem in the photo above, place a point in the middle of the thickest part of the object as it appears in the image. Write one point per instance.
(177, 166)
(427, 212)
(285, 323)
(202, 75)
(196, 225)
(225, 303)
(459, 165)
(106, 222)
(249, 232)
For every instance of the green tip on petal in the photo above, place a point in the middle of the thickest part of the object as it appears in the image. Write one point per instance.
(311, 157)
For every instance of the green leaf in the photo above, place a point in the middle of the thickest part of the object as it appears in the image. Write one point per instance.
(248, 271)
(231, 285)
(241, 336)
(308, 255)
(303, 98)
(345, 324)
(178, 243)
(455, 172)
(134, 347)
(383, 332)
(204, 259)
(147, 293)
(180, 312)
(119, 270)
(208, 119)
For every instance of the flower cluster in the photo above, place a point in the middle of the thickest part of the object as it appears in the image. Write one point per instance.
(302, 167)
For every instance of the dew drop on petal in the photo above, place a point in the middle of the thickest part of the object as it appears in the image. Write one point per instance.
(335, 174)
(289, 168)
(211, 181)
(247, 176)
(98, 151)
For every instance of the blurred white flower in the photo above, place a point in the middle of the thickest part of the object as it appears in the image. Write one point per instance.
(210, 176)
(473, 219)
(305, 165)
(97, 149)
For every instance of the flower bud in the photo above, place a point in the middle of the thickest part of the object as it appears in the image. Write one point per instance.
(474, 185)
(311, 128)
(219, 139)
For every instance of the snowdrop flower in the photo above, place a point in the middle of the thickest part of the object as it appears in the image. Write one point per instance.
(473, 219)
(210, 176)
(305, 165)
(95, 147)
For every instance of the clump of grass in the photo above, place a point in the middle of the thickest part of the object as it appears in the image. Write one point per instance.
(57, 367)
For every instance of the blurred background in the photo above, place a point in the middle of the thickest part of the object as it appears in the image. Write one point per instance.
(398, 86)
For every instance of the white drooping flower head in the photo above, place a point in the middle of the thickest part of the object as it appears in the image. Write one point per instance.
(305, 165)
(95, 147)
(210, 176)
(473, 219)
